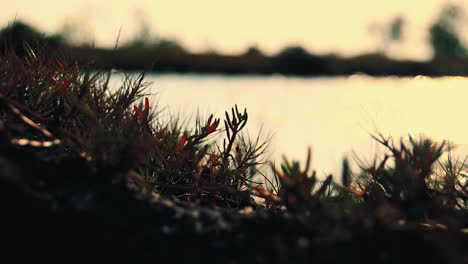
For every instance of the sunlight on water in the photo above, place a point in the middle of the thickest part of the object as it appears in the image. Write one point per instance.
(333, 115)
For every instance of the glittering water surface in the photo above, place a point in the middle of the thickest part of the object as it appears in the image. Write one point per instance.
(333, 115)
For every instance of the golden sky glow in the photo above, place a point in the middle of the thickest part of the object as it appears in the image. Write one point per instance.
(340, 26)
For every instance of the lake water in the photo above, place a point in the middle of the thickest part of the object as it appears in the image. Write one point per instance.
(332, 115)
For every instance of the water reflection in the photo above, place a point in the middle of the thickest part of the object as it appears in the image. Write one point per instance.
(333, 115)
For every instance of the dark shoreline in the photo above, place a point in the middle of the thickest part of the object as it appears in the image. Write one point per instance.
(301, 64)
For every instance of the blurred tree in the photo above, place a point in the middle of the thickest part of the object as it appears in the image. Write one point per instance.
(142, 39)
(169, 45)
(388, 33)
(14, 35)
(296, 52)
(297, 60)
(145, 37)
(393, 33)
(444, 36)
(77, 32)
(396, 26)
(253, 51)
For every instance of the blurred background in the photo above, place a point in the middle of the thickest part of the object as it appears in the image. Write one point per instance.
(399, 28)
(319, 73)
(345, 28)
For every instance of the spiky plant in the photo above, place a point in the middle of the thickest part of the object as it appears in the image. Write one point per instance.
(62, 110)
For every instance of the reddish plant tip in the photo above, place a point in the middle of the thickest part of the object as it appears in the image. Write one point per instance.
(60, 65)
(138, 112)
(66, 83)
(147, 105)
(213, 127)
(181, 143)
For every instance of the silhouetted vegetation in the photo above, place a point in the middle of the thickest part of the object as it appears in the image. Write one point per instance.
(16, 34)
(395, 31)
(444, 35)
(296, 60)
(149, 53)
(89, 167)
(388, 33)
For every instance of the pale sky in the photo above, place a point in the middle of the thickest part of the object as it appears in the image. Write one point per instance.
(229, 26)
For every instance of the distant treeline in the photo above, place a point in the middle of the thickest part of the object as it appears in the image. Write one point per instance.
(163, 55)
(292, 61)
